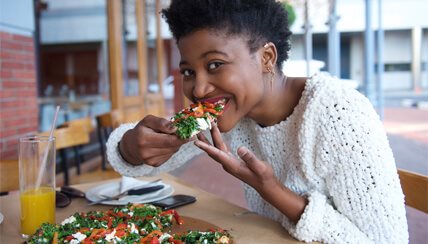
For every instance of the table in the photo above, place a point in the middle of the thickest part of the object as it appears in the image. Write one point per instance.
(245, 227)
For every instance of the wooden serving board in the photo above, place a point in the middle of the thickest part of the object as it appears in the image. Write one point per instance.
(191, 224)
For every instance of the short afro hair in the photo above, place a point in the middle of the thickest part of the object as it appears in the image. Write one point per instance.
(260, 21)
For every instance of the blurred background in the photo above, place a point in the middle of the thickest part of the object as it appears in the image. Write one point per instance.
(95, 57)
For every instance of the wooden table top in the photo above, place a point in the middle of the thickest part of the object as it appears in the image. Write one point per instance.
(245, 227)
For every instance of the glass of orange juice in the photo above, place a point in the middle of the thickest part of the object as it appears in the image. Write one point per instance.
(36, 182)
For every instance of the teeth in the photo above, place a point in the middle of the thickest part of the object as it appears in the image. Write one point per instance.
(221, 101)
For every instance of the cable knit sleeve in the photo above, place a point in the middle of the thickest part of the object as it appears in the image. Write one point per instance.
(186, 152)
(350, 156)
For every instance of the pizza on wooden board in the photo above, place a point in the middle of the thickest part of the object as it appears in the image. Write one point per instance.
(133, 223)
(197, 117)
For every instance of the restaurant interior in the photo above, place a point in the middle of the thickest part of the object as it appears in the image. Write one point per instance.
(123, 71)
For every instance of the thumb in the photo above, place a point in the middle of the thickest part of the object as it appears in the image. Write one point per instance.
(167, 127)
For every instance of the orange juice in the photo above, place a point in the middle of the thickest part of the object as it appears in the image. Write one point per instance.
(37, 207)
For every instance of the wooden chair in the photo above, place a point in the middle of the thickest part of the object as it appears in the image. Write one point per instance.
(68, 137)
(9, 175)
(415, 188)
(85, 124)
(106, 123)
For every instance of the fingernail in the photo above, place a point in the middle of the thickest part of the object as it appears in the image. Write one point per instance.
(242, 150)
(171, 127)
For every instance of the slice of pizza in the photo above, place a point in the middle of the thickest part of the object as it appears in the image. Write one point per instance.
(196, 118)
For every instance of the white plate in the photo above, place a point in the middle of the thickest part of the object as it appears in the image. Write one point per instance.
(112, 188)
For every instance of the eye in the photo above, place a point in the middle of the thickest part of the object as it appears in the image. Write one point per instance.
(214, 65)
(186, 72)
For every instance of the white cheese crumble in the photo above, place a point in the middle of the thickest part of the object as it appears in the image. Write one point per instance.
(68, 220)
(164, 236)
(153, 225)
(133, 229)
(79, 236)
(110, 237)
(151, 206)
(223, 240)
(203, 123)
(131, 214)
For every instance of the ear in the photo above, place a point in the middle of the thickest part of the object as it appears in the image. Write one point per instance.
(269, 56)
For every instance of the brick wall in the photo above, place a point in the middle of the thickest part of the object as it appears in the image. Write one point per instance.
(19, 112)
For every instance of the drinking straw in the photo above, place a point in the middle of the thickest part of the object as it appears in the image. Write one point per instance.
(45, 156)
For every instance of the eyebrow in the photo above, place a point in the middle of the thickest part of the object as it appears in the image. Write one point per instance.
(205, 54)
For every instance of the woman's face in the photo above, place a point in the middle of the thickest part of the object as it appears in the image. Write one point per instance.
(216, 66)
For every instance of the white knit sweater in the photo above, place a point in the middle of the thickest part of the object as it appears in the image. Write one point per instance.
(332, 149)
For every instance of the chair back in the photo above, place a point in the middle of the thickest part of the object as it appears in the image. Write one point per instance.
(415, 188)
(85, 124)
(9, 175)
(68, 137)
(106, 123)
(111, 119)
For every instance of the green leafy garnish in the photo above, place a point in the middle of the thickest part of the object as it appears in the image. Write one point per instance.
(186, 120)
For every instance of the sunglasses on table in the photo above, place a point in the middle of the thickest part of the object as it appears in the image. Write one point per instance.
(65, 194)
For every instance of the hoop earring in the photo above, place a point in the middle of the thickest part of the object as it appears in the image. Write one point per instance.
(272, 72)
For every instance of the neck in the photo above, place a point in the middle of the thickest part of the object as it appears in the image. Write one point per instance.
(279, 102)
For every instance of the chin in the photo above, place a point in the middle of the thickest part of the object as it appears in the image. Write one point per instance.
(225, 125)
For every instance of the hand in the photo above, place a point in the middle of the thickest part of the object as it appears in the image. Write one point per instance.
(255, 173)
(151, 142)
(248, 168)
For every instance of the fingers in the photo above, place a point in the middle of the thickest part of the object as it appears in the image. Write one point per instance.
(203, 138)
(214, 152)
(231, 164)
(150, 142)
(164, 140)
(252, 162)
(159, 124)
(217, 139)
(152, 138)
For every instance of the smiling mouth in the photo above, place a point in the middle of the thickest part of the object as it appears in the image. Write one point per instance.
(216, 100)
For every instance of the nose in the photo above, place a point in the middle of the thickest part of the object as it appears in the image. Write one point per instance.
(202, 87)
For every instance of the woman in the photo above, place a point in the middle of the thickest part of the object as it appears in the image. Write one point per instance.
(312, 153)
